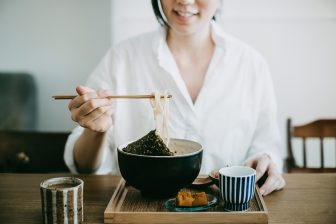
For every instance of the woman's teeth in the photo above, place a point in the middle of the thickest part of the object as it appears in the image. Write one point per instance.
(186, 14)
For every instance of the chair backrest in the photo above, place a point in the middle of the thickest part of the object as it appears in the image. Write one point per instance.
(323, 128)
(18, 100)
(32, 152)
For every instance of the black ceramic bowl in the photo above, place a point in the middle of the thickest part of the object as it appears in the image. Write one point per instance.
(162, 176)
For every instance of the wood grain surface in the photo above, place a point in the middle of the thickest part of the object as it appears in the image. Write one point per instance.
(307, 198)
(127, 205)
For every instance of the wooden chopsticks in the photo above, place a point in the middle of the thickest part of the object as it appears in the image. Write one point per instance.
(69, 97)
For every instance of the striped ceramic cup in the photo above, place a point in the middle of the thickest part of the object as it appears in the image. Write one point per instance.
(62, 200)
(236, 184)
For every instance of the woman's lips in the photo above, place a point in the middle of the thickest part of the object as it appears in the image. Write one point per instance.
(184, 16)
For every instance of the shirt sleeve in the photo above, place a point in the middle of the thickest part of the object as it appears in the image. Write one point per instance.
(105, 166)
(266, 138)
(101, 78)
(68, 151)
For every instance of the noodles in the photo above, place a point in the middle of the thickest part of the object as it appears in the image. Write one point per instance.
(160, 109)
(155, 143)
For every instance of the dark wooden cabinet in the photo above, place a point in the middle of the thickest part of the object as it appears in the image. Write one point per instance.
(32, 152)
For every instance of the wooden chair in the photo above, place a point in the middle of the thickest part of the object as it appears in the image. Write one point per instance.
(32, 152)
(18, 100)
(317, 129)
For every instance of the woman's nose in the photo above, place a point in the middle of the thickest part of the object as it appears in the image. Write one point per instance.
(186, 2)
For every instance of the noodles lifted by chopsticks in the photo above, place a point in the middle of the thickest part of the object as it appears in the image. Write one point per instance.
(160, 109)
(155, 143)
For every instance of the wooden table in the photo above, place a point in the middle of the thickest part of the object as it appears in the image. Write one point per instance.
(307, 198)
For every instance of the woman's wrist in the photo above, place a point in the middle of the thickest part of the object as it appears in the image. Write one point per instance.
(94, 134)
(88, 150)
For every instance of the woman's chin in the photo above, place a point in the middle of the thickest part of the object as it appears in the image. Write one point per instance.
(186, 30)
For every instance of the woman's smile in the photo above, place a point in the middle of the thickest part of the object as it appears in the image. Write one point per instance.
(189, 17)
(184, 16)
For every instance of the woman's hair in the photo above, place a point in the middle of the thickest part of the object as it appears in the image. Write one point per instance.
(158, 15)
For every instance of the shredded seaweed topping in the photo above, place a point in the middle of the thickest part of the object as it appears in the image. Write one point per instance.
(151, 145)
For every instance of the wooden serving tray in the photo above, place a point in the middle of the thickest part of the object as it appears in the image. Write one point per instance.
(127, 205)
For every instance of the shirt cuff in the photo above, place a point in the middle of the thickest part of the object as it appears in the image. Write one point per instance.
(104, 167)
(69, 146)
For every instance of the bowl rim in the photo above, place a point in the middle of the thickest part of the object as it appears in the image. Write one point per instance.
(119, 148)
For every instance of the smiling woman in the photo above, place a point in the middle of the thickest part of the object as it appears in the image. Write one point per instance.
(158, 11)
(186, 17)
(223, 96)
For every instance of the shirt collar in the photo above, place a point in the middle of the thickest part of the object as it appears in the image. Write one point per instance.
(166, 61)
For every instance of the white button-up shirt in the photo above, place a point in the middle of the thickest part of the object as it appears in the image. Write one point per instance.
(233, 118)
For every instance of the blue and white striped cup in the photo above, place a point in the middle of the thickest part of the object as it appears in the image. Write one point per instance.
(236, 184)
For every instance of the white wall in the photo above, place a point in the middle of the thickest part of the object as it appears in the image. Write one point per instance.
(59, 42)
(297, 38)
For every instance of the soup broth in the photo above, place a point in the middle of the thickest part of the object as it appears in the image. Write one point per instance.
(62, 185)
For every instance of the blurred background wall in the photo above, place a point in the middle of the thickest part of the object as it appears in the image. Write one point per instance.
(60, 43)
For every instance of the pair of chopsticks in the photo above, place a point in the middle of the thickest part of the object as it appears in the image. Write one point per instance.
(70, 97)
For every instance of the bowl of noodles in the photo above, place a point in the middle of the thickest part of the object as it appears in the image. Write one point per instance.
(160, 173)
(155, 164)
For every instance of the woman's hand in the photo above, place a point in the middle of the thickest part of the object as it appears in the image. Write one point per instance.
(265, 166)
(91, 109)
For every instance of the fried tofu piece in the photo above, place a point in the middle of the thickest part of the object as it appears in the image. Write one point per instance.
(184, 199)
(199, 199)
(188, 199)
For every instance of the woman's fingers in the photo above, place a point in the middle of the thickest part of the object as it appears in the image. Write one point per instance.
(81, 90)
(89, 106)
(262, 166)
(91, 109)
(273, 182)
(102, 123)
(81, 99)
(250, 163)
(268, 186)
(77, 101)
(95, 114)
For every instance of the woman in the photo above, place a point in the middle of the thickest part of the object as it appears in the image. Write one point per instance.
(222, 96)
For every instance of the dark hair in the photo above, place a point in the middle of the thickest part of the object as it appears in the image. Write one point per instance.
(158, 13)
